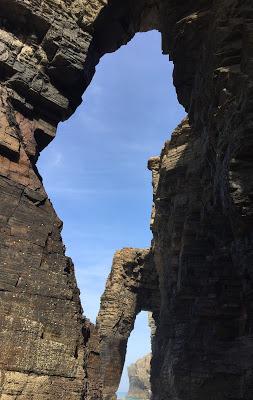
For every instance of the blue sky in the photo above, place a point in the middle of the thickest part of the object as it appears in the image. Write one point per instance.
(95, 170)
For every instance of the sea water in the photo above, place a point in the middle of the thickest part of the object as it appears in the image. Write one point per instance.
(123, 396)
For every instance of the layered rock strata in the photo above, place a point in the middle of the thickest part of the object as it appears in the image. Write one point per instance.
(132, 286)
(41, 324)
(139, 379)
(42, 329)
(203, 222)
(202, 346)
(202, 214)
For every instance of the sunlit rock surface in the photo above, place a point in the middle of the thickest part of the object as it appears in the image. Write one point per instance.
(139, 379)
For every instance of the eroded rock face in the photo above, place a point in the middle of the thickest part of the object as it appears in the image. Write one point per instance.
(43, 332)
(202, 347)
(203, 225)
(201, 219)
(132, 286)
(41, 323)
(139, 379)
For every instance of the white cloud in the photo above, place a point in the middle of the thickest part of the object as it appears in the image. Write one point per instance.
(77, 192)
(92, 123)
(72, 191)
(95, 89)
(57, 161)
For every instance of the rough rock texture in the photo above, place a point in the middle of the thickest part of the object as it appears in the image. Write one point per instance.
(41, 323)
(132, 286)
(202, 215)
(42, 329)
(139, 379)
(203, 346)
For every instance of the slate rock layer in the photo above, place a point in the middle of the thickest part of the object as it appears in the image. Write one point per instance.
(202, 214)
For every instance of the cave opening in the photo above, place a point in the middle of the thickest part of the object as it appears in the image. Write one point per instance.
(98, 181)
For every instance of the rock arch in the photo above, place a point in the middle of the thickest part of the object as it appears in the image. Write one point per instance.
(131, 287)
(202, 216)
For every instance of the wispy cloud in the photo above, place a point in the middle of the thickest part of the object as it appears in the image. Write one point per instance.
(71, 191)
(75, 192)
(57, 161)
(96, 89)
(90, 122)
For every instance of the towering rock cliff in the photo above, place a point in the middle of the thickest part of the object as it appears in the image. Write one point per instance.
(42, 330)
(201, 220)
(139, 379)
